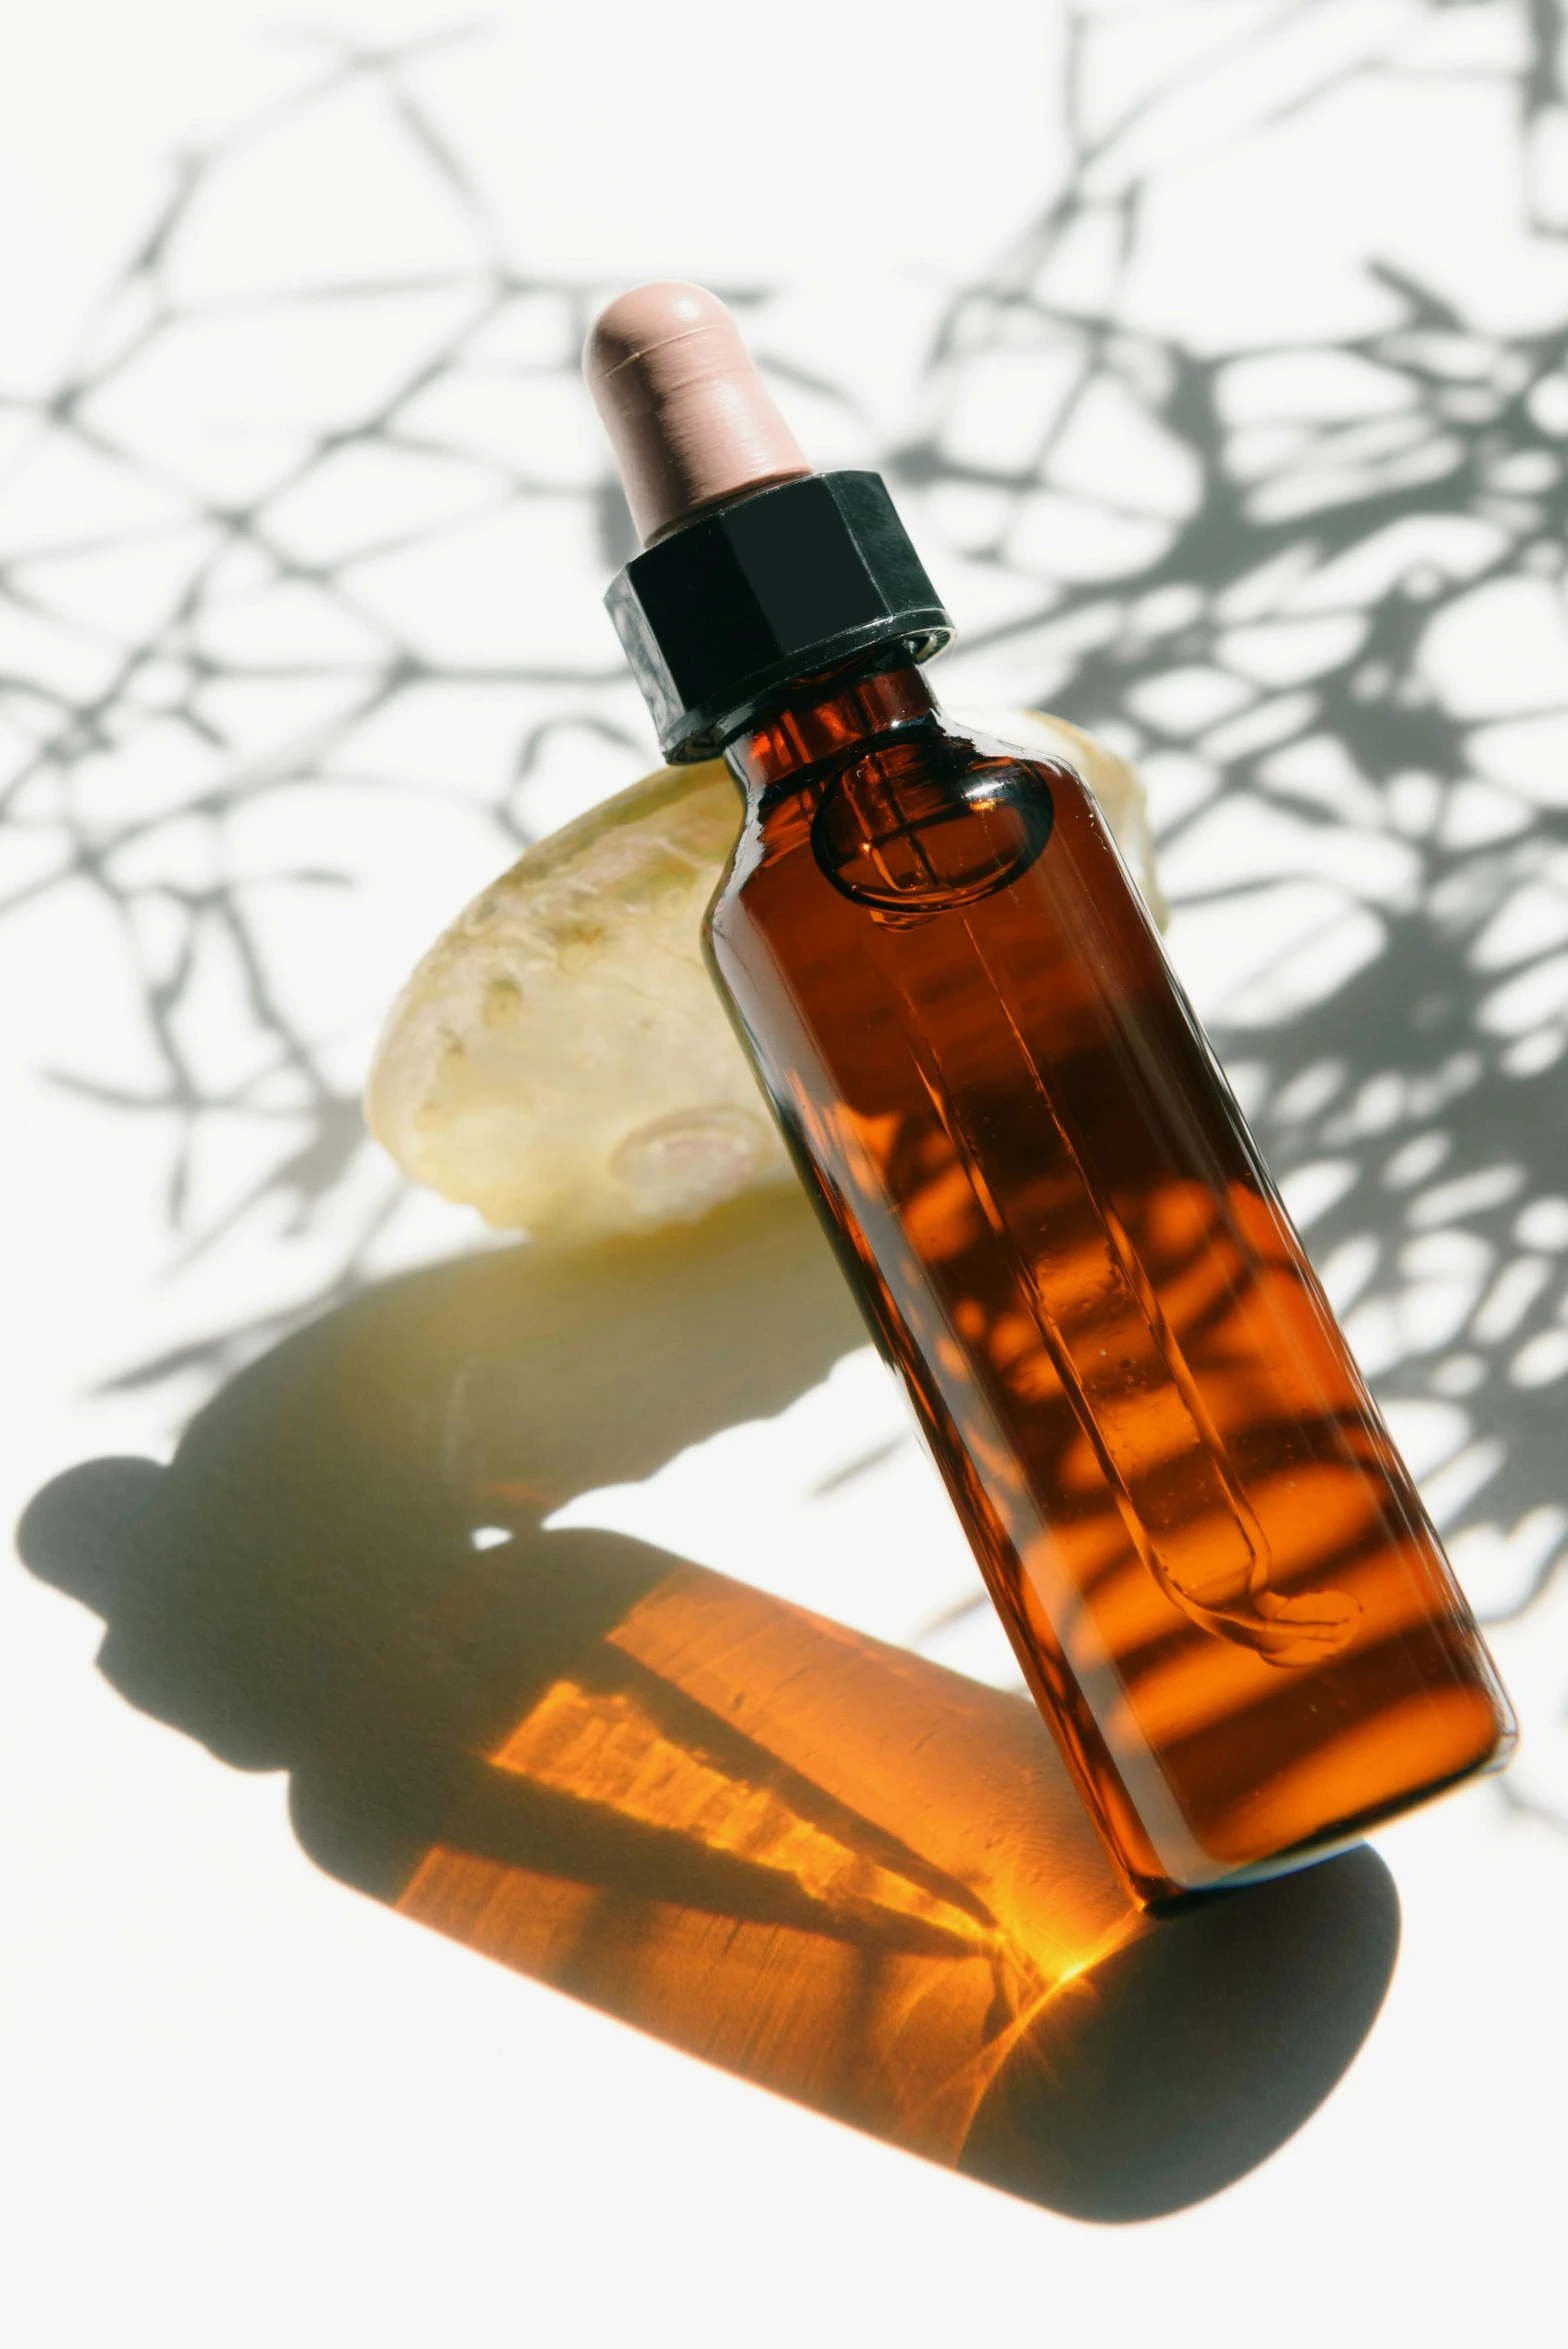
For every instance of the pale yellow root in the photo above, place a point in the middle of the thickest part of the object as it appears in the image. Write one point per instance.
(560, 1059)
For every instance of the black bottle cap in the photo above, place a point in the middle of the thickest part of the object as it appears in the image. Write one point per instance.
(720, 616)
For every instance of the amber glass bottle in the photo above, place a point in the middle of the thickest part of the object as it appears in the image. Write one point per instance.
(1212, 1564)
(1217, 1576)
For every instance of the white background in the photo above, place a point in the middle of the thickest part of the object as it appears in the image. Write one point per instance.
(243, 2105)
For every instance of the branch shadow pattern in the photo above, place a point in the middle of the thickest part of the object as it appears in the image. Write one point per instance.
(1299, 605)
(1264, 591)
(826, 1865)
(217, 626)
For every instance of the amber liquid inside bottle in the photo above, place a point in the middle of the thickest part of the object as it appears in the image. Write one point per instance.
(1216, 1573)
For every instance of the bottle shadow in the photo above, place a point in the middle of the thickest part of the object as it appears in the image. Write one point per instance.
(828, 1865)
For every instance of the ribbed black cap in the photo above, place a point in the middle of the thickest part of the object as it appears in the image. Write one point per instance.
(719, 616)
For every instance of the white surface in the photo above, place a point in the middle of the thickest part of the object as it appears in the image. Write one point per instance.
(243, 2105)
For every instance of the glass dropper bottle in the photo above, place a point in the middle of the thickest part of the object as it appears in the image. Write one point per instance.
(1213, 1566)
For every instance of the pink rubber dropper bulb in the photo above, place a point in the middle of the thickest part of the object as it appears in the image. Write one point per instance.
(691, 421)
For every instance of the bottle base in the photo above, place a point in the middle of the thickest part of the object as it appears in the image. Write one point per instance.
(1163, 1896)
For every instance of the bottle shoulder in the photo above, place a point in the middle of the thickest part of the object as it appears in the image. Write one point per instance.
(923, 819)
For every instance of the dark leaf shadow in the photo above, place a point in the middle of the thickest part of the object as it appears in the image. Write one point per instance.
(825, 1864)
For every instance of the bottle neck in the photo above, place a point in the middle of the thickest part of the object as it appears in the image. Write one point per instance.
(830, 715)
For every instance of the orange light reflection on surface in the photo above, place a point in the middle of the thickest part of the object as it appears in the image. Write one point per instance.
(943, 1888)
